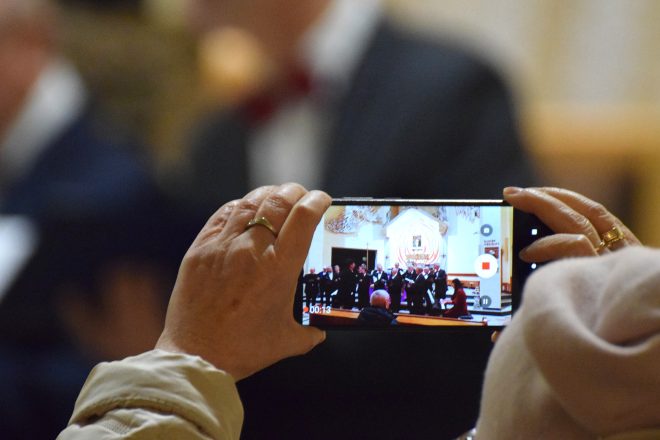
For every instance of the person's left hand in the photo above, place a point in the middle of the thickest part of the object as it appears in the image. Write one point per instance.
(579, 223)
(233, 299)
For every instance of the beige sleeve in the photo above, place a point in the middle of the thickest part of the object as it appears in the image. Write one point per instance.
(580, 358)
(156, 395)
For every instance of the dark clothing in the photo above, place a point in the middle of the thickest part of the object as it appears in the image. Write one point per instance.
(325, 286)
(311, 281)
(376, 317)
(394, 286)
(364, 282)
(334, 286)
(417, 293)
(409, 285)
(427, 292)
(440, 285)
(379, 280)
(93, 203)
(347, 286)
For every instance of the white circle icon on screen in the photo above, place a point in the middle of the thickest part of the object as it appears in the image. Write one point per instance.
(485, 266)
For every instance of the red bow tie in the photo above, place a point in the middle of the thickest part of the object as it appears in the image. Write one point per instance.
(262, 106)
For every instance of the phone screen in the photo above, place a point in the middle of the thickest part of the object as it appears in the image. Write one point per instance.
(411, 264)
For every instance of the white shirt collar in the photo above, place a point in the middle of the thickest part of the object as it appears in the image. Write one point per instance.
(334, 45)
(331, 49)
(56, 99)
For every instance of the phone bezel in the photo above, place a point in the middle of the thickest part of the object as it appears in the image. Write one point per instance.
(523, 223)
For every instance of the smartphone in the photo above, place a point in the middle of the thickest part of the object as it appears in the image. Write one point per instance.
(416, 264)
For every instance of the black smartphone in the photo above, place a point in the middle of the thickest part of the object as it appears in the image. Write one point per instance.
(415, 264)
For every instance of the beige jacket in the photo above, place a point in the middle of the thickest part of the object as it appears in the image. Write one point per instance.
(156, 395)
(581, 358)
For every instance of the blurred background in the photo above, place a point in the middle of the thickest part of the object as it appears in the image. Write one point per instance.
(586, 79)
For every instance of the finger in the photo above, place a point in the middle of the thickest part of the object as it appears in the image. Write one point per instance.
(598, 215)
(556, 214)
(558, 246)
(306, 339)
(221, 215)
(244, 211)
(216, 223)
(276, 208)
(296, 235)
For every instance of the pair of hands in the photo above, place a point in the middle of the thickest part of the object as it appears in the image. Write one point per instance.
(233, 299)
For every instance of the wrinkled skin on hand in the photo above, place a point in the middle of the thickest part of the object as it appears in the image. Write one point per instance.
(577, 221)
(233, 299)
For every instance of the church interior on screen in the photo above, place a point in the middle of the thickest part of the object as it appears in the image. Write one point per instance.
(442, 244)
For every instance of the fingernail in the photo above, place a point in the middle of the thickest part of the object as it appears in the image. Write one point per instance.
(523, 254)
(511, 190)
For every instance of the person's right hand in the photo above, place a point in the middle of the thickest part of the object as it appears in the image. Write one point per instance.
(577, 221)
(233, 299)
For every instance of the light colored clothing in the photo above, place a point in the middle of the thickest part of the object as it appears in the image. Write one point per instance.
(156, 395)
(581, 358)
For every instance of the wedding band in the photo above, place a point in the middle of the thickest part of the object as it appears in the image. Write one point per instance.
(609, 238)
(262, 221)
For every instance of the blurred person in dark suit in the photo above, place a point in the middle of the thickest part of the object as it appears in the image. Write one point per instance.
(339, 97)
(348, 96)
(94, 277)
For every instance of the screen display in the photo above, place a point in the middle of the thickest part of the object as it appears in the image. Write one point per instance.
(404, 265)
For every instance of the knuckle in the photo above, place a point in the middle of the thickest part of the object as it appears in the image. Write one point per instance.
(231, 205)
(305, 214)
(221, 216)
(305, 210)
(279, 202)
(582, 223)
(582, 244)
(296, 186)
(596, 210)
(193, 257)
(247, 205)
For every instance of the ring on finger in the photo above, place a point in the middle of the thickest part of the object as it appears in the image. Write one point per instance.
(261, 221)
(610, 237)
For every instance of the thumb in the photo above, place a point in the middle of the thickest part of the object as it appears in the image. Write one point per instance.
(558, 246)
(308, 338)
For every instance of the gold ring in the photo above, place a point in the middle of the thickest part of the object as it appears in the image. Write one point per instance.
(262, 221)
(609, 238)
